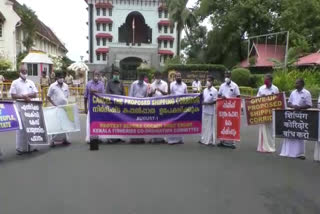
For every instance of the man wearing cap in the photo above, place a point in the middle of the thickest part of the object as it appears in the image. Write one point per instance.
(58, 94)
(23, 89)
(228, 89)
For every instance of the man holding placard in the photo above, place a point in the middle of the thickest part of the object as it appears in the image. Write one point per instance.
(228, 89)
(266, 140)
(23, 89)
(317, 144)
(299, 99)
(58, 94)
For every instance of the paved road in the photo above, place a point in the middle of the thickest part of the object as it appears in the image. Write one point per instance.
(152, 179)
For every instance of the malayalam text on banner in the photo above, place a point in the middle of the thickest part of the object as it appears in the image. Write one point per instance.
(32, 119)
(228, 119)
(301, 125)
(258, 110)
(9, 118)
(118, 116)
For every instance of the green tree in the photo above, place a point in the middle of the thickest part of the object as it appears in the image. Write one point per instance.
(182, 16)
(29, 25)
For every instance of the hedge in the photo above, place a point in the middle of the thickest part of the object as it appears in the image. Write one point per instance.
(10, 75)
(196, 67)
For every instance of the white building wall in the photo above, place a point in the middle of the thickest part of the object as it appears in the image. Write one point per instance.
(8, 40)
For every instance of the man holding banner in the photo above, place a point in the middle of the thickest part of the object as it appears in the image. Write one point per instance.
(58, 94)
(210, 96)
(266, 140)
(177, 88)
(228, 89)
(93, 86)
(23, 89)
(299, 99)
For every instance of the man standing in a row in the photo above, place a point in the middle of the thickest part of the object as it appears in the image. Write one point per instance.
(299, 99)
(93, 86)
(58, 94)
(139, 88)
(266, 140)
(23, 89)
(177, 88)
(228, 89)
(158, 88)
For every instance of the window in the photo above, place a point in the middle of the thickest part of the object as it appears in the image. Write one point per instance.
(98, 11)
(110, 39)
(110, 27)
(171, 44)
(104, 27)
(160, 44)
(104, 11)
(165, 58)
(165, 44)
(33, 69)
(104, 41)
(104, 57)
(98, 57)
(160, 14)
(110, 11)
(171, 29)
(165, 29)
(98, 27)
(98, 41)
(160, 29)
(1, 30)
(165, 14)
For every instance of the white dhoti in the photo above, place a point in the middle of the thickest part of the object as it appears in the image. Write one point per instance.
(174, 140)
(317, 151)
(21, 141)
(266, 140)
(293, 148)
(208, 135)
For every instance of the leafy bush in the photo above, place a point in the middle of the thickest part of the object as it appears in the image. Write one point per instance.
(241, 76)
(10, 75)
(256, 80)
(5, 64)
(143, 68)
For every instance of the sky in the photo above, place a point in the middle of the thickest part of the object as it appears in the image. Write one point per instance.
(67, 19)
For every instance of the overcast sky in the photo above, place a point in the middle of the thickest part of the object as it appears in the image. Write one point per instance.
(67, 18)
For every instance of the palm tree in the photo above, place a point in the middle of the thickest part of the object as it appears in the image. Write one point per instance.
(182, 16)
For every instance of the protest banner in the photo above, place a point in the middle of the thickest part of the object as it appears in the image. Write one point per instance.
(228, 119)
(62, 119)
(32, 119)
(118, 116)
(9, 118)
(258, 110)
(301, 125)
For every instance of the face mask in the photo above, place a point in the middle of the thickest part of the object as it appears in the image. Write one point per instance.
(23, 76)
(60, 80)
(267, 82)
(227, 80)
(178, 80)
(140, 82)
(116, 77)
(209, 84)
(158, 81)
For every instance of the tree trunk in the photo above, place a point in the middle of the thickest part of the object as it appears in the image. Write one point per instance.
(178, 40)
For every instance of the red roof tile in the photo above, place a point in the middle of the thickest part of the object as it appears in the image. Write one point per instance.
(102, 50)
(165, 52)
(104, 20)
(311, 59)
(170, 38)
(104, 5)
(104, 35)
(164, 23)
(264, 53)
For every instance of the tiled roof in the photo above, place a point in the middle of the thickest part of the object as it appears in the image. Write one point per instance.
(311, 59)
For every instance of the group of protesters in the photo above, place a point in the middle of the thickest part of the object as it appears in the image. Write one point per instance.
(58, 93)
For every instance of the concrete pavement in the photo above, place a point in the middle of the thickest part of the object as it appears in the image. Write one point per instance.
(145, 179)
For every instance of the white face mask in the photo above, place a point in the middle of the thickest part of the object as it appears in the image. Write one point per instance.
(158, 81)
(227, 80)
(209, 84)
(24, 76)
(60, 80)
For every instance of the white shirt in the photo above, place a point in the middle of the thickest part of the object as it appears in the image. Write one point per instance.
(163, 86)
(196, 86)
(59, 95)
(229, 91)
(178, 89)
(264, 91)
(209, 96)
(319, 102)
(300, 98)
(137, 90)
(21, 87)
